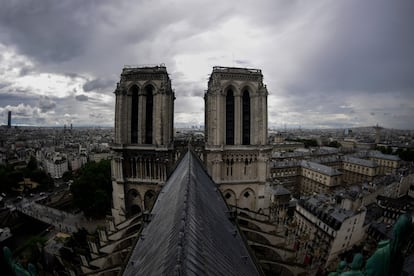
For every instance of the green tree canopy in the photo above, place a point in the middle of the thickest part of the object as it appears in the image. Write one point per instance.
(334, 144)
(307, 142)
(9, 178)
(33, 172)
(92, 189)
(406, 154)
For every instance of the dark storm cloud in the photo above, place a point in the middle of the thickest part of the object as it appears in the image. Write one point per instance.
(81, 98)
(320, 59)
(47, 30)
(366, 46)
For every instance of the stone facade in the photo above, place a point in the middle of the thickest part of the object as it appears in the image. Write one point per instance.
(236, 147)
(143, 146)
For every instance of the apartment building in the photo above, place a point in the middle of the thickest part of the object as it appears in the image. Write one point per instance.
(318, 178)
(286, 173)
(357, 170)
(387, 163)
(56, 165)
(329, 229)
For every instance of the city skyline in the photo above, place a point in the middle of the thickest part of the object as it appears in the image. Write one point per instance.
(326, 64)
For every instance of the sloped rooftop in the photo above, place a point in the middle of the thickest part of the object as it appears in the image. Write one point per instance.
(359, 161)
(320, 168)
(190, 232)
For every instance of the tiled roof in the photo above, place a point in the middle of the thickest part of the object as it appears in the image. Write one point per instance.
(380, 155)
(190, 232)
(320, 168)
(362, 162)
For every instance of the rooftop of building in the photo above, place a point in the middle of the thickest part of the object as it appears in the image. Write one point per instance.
(146, 68)
(279, 190)
(238, 70)
(359, 161)
(190, 232)
(325, 208)
(320, 168)
(380, 155)
(405, 202)
(285, 164)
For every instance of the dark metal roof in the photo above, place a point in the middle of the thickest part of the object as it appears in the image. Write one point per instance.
(190, 232)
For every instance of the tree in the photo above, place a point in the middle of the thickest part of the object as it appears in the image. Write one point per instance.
(32, 165)
(9, 178)
(33, 172)
(334, 144)
(45, 180)
(406, 154)
(68, 175)
(92, 189)
(384, 150)
(307, 142)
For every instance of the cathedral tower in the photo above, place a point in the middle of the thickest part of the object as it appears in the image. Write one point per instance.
(143, 146)
(237, 151)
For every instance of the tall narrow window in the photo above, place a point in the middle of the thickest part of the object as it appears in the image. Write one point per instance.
(230, 118)
(134, 115)
(148, 117)
(134, 167)
(246, 118)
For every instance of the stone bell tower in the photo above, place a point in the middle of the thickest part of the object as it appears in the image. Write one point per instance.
(143, 146)
(236, 150)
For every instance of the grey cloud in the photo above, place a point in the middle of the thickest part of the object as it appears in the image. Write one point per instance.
(190, 105)
(73, 75)
(317, 57)
(25, 70)
(81, 98)
(243, 63)
(23, 110)
(188, 89)
(4, 85)
(367, 46)
(46, 104)
(92, 115)
(47, 30)
(98, 84)
(14, 99)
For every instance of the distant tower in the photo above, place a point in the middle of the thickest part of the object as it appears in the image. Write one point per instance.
(236, 149)
(346, 132)
(143, 147)
(377, 134)
(9, 119)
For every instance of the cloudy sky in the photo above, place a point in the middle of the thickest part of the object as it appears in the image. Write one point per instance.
(344, 63)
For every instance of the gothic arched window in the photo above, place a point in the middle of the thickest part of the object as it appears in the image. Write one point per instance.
(230, 117)
(148, 114)
(134, 115)
(246, 118)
